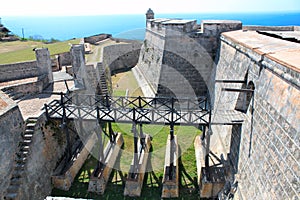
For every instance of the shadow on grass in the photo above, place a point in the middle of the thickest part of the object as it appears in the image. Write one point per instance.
(152, 186)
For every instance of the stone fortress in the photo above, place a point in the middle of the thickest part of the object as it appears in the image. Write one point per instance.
(250, 74)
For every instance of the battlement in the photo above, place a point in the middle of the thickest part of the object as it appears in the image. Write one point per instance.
(207, 27)
(161, 25)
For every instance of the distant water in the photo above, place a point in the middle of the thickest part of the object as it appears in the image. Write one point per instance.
(125, 26)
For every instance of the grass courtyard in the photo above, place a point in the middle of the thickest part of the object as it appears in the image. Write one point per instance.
(152, 187)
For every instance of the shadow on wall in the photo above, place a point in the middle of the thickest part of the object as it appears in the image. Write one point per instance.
(125, 62)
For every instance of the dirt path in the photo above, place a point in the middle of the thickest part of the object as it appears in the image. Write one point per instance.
(97, 51)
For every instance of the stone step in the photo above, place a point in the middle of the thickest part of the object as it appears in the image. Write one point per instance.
(15, 95)
(17, 173)
(32, 120)
(27, 136)
(19, 166)
(29, 131)
(24, 146)
(8, 89)
(21, 159)
(16, 181)
(13, 189)
(26, 141)
(30, 125)
(11, 196)
(23, 153)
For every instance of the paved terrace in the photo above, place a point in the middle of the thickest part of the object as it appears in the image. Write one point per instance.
(32, 105)
(281, 51)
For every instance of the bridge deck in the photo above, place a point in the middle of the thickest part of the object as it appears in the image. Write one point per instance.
(150, 115)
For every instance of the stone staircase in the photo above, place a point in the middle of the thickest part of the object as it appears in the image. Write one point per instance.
(12, 93)
(102, 81)
(21, 156)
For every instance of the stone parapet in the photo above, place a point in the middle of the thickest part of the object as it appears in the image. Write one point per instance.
(16, 71)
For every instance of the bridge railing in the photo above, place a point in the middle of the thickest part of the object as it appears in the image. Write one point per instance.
(199, 103)
(165, 110)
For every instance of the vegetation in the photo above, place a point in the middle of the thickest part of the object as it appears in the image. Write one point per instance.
(20, 51)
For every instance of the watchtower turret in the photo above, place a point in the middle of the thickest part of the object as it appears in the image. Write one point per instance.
(149, 14)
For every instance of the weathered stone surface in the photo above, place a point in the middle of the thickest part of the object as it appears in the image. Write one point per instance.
(98, 183)
(46, 150)
(43, 62)
(11, 128)
(15, 71)
(176, 59)
(78, 65)
(267, 165)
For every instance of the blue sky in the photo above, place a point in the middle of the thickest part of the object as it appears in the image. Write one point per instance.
(104, 7)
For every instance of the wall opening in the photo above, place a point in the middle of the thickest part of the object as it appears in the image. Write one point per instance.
(244, 98)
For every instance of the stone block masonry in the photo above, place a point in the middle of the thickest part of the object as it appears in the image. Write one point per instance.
(43, 62)
(121, 57)
(264, 151)
(78, 65)
(46, 150)
(11, 127)
(177, 59)
(16, 71)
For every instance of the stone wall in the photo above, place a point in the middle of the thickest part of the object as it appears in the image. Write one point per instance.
(149, 63)
(271, 28)
(64, 59)
(177, 58)
(264, 150)
(121, 57)
(11, 127)
(46, 151)
(15, 71)
(96, 38)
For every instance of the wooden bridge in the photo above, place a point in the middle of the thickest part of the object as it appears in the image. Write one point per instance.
(138, 111)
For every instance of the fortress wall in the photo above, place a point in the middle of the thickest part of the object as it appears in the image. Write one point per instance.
(11, 127)
(150, 61)
(185, 68)
(21, 70)
(46, 150)
(265, 151)
(121, 57)
(96, 38)
(176, 59)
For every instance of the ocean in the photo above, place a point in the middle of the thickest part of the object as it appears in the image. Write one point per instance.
(125, 26)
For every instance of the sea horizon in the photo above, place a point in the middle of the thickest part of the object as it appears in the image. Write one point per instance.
(129, 26)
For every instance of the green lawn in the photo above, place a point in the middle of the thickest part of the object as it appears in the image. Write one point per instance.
(19, 51)
(153, 181)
